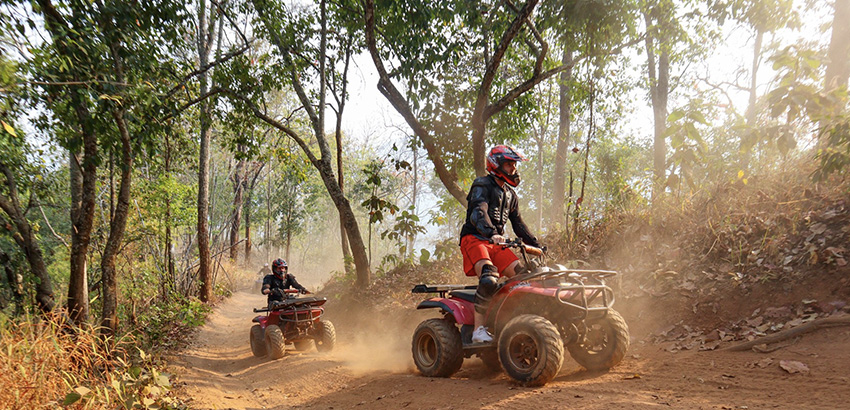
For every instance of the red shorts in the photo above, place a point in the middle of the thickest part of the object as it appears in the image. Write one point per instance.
(474, 250)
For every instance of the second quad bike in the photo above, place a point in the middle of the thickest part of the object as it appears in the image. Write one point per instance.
(533, 317)
(296, 320)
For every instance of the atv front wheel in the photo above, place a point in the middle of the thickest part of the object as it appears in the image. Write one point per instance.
(605, 343)
(303, 345)
(437, 349)
(258, 345)
(531, 350)
(275, 342)
(327, 337)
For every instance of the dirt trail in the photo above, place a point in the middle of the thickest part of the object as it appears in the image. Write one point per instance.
(218, 371)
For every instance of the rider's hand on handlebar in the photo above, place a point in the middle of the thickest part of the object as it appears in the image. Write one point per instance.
(305, 292)
(497, 239)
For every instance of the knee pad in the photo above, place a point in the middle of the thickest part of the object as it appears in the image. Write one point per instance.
(487, 285)
(520, 269)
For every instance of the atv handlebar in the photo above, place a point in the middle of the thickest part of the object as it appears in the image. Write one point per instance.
(517, 243)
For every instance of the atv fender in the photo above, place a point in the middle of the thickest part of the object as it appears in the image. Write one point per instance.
(461, 312)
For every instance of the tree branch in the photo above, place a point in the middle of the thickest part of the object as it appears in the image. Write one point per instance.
(271, 121)
(388, 89)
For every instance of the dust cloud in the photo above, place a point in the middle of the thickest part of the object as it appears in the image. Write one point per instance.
(369, 341)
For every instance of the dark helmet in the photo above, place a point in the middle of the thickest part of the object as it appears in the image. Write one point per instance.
(497, 156)
(278, 265)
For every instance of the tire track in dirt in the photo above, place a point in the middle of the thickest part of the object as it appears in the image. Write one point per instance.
(372, 369)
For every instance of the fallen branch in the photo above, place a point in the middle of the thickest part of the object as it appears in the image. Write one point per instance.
(762, 348)
(832, 321)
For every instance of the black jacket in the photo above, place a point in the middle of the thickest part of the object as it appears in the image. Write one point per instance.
(490, 207)
(272, 282)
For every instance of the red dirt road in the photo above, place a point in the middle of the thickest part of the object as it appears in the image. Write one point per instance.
(218, 371)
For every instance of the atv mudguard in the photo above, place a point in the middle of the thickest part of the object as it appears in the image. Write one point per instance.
(462, 313)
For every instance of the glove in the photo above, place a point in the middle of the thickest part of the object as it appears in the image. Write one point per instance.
(304, 291)
(498, 239)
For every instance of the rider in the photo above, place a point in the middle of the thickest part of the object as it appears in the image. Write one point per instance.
(280, 279)
(492, 201)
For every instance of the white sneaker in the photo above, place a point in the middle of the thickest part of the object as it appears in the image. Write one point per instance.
(481, 335)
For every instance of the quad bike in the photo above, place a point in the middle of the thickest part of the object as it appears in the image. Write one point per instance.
(293, 320)
(532, 316)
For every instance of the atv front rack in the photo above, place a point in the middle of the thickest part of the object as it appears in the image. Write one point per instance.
(578, 293)
(290, 303)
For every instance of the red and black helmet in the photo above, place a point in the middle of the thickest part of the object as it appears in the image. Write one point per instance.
(278, 265)
(497, 156)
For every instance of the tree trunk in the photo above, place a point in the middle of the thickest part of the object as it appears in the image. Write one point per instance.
(14, 283)
(28, 242)
(540, 178)
(267, 236)
(358, 248)
(249, 194)
(109, 317)
(564, 105)
(659, 74)
(346, 251)
(82, 218)
(204, 272)
(169, 257)
(479, 128)
(236, 216)
(248, 226)
(745, 147)
(411, 239)
(838, 67)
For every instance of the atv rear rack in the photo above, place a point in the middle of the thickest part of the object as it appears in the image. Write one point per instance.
(441, 289)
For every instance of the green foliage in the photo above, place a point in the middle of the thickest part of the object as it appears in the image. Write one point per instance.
(167, 322)
(686, 139)
(834, 156)
(376, 205)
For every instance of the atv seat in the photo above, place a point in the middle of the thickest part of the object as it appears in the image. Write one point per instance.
(465, 294)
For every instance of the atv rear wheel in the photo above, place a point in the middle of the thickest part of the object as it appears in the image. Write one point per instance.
(531, 350)
(437, 349)
(258, 345)
(605, 343)
(327, 337)
(275, 343)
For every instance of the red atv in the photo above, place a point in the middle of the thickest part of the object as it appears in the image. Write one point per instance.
(294, 320)
(532, 316)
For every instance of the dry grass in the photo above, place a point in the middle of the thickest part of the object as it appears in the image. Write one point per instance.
(45, 365)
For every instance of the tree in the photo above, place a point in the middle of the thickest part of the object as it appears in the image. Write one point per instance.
(838, 54)
(204, 38)
(14, 168)
(503, 32)
(293, 37)
(658, 16)
(764, 17)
